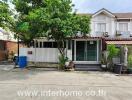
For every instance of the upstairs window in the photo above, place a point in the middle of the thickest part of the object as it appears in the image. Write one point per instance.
(101, 27)
(123, 27)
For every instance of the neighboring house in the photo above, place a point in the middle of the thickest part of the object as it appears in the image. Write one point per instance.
(107, 28)
(7, 44)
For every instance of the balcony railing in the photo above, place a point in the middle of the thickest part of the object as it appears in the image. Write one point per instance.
(121, 34)
(124, 34)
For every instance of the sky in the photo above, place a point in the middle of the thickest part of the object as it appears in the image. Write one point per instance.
(91, 6)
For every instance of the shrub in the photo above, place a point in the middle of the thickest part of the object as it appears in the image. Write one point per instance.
(62, 61)
(130, 61)
(113, 51)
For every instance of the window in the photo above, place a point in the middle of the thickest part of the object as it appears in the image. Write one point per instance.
(37, 44)
(101, 27)
(49, 44)
(46, 44)
(69, 44)
(54, 44)
(123, 27)
(40, 44)
(43, 45)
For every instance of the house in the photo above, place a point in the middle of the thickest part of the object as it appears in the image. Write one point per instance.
(107, 28)
(7, 44)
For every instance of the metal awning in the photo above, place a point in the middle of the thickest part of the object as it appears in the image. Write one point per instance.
(119, 42)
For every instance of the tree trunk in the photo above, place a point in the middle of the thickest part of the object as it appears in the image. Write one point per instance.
(61, 47)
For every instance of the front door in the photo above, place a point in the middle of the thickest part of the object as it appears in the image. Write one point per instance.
(86, 50)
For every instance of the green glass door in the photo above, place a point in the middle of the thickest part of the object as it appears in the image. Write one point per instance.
(80, 50)
(91, 51)
(86, 51)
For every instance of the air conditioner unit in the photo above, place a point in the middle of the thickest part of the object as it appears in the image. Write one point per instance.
(105, 34)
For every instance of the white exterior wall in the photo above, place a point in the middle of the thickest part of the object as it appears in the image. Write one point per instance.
(41, 54)
(102, 18)
(130, 25)
(111, 25)
(69, 54)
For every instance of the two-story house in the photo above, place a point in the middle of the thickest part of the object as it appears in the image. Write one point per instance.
(112, 24)
(106, 28)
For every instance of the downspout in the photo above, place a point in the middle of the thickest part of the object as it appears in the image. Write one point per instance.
(116, 25)
(18, 47)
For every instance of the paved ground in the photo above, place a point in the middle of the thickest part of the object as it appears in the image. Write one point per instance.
(55, 85)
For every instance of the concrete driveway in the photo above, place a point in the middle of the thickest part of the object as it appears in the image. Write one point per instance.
(38, 84)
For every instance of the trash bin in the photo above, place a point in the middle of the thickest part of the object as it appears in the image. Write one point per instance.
(22, 61)
(117, 68)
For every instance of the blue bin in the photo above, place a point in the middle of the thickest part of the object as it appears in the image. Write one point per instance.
(22, 61)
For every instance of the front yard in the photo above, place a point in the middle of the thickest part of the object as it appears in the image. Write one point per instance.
(86, 84)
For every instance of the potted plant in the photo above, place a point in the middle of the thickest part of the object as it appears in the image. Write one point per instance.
(130, 64)
(104, 60)
(103, 63)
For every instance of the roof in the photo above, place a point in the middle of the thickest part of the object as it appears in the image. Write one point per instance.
(118, 15)
(118, 39)
(119, 42)
(105, 11)
(85, 37)
(123, 15)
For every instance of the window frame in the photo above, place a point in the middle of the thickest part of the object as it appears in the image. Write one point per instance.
(99, 28)
(122, 28)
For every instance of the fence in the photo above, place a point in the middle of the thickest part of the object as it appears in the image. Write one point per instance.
(40, 54)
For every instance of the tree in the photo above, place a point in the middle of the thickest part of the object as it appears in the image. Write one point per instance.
(30, 20)
(53, 19)
(84, 24)
(6, 16)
